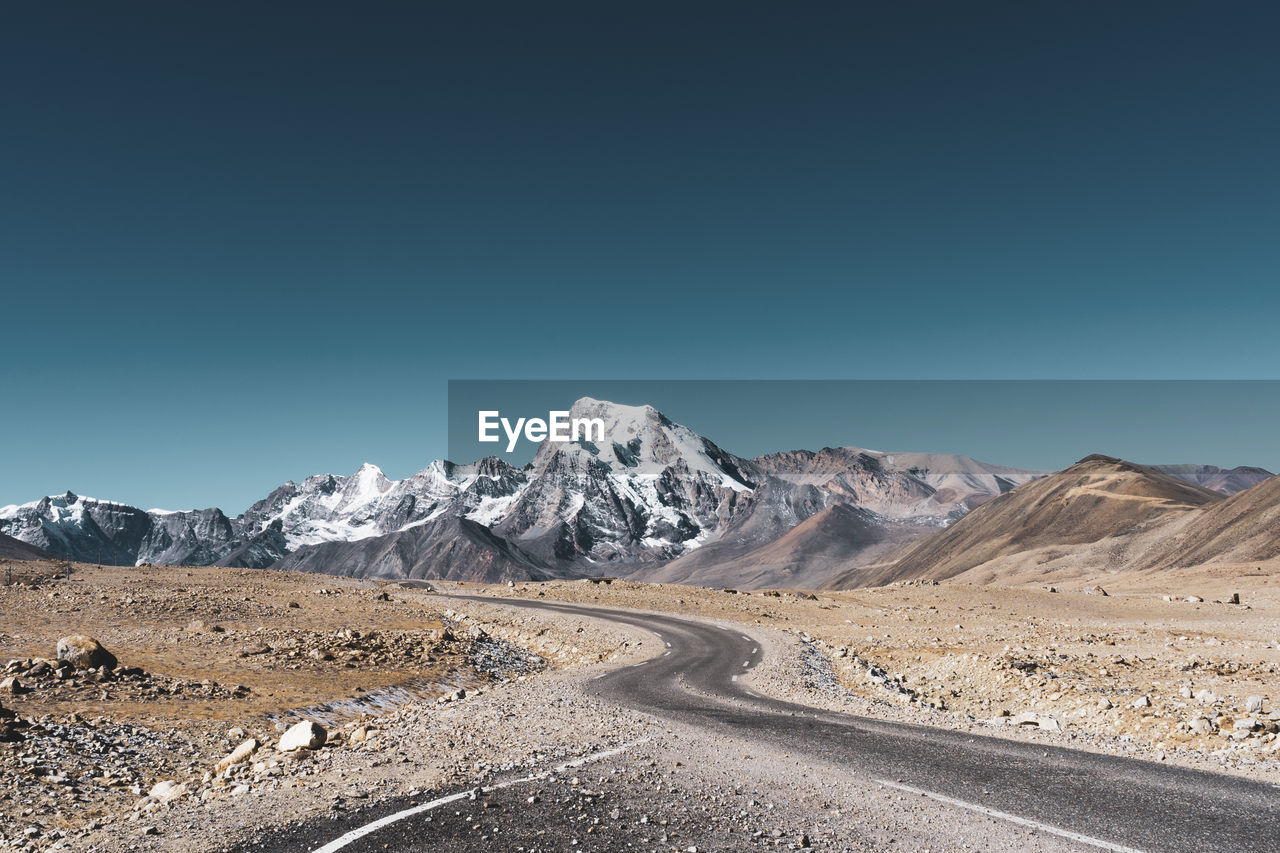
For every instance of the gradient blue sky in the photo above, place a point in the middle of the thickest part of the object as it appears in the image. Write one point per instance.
(245, 242)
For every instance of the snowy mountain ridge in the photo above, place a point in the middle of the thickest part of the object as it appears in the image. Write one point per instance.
(651, 493)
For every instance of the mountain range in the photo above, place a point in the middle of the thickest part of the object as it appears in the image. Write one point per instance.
(656, 501)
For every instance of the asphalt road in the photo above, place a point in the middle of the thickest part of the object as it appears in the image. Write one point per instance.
(1121, 802)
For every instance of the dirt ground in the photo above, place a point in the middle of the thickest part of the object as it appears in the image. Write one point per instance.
(1145, 663)
(206, 658)
(209, 658)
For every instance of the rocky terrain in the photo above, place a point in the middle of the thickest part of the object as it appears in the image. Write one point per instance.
(196, 684)
(1166, 668)
(240, 699)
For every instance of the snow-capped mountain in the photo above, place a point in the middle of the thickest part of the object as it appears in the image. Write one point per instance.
(654, 499)
(323, 508)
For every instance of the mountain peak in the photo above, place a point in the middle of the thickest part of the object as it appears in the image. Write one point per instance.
(590, 407)
(640, 440)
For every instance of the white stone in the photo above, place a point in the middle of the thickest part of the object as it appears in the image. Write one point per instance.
(167, 790)
(238, 755)
(304, 735)
(1042, 721)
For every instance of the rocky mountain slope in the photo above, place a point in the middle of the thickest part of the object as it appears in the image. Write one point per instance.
(16, 549)
(1244, 528)
(1090, 511)
(804, 557)
(1228, 481)
(898, 485)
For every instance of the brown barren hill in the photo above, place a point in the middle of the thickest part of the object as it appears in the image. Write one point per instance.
(1241, 529)
(16, 549)
(1099, 498)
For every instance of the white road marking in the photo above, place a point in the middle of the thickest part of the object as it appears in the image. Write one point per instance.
(1021, 821)
(369, 828)
(664, 654)
(745, 637)
(746, 663)
(601, 675)
(668, 645)
(642, 663)
(722, 628)
(735, 678)
(756, 649)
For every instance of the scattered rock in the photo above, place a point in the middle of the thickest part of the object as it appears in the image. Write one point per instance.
(12, 686)
(1193, 599)
(1252, 704)
(167, 791)
(1094, 590)
(1202, 726)
(304, 735)
(85, 652)
(237, 756)
(1042, 721)
(1142, 702)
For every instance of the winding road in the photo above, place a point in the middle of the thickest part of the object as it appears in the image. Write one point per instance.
(1097, 801)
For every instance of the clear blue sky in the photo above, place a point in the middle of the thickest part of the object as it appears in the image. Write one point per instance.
(245, 242)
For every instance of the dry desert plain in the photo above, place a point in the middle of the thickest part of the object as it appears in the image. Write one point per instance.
(180, 746)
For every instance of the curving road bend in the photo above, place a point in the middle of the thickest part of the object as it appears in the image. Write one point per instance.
(1098, 801)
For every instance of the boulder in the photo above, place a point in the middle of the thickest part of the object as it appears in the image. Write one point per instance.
(304, 735)
(85, 652)
(1201, 726)
(1252, 704)
(12, 686)
(237, 756)
(166, 791)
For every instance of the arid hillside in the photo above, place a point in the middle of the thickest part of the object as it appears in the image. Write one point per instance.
(1100, 515)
